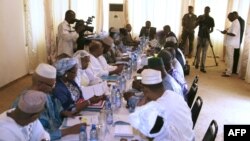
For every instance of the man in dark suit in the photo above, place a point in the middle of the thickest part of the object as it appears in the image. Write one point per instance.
(148, 31)
(237, 50)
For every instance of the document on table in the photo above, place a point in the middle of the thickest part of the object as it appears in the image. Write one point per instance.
(97, 89)
(89, 119)
(123, 130)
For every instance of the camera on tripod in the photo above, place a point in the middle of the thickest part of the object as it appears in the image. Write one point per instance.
(85, 24)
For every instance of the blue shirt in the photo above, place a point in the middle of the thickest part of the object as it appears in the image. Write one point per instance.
(180, 80)
(51, 118)
(169, 83)
(62, 93)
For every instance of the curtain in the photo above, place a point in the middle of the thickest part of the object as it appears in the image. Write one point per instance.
(245, 57)
(159, 12)
(35, 33)
(88, 8)
(219, 19)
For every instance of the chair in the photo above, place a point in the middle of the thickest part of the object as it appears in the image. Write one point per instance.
(211, 132)
(196, 79)
(195, 110)
(192, 91)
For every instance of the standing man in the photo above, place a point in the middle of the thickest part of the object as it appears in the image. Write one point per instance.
(232, 41)
(237, 50)
(148, 31)
(206, 25)
(66, 35)
(188, 24)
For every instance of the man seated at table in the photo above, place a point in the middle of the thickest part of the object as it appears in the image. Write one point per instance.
(99, 65)
(164, 115)
(167, 60)
(84, 75)
(44, 80)
(21, 123)
(127, 37)
(169, 83)
(148, 31)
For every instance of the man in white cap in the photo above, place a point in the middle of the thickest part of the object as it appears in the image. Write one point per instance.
(21, 123)
(44, 79)
(165, 115)
(84, 76)
(99, 65)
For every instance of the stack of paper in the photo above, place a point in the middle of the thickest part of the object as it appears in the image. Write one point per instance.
(97, 89)
(123, 131)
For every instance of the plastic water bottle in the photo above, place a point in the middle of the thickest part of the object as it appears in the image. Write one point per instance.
(134, 62)
(109, 116)
(118, 101)
(93, 133)
(107, 103)
(123, 83)
(83, 135)
(113, 91)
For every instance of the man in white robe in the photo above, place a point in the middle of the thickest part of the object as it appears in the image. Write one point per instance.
(164, 116)
(21, 123)
(232, 42)
(67, 36)
(98, 64)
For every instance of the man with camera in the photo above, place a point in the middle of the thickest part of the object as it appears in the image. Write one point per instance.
(206, 25)
(67, 36)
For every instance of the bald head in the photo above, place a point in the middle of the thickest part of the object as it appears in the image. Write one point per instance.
(231, 17)
(95, 48)
(70, 16)
(128, 27)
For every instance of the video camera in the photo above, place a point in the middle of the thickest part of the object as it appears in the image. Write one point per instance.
(86, 24)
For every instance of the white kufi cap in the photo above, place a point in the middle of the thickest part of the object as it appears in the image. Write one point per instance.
(151, 77)
(107, 40)
(46, 70)
(32, 101)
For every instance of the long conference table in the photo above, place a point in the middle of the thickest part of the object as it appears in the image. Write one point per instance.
(113, 132)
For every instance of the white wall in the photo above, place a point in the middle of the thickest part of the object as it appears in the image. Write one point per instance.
(13, 62)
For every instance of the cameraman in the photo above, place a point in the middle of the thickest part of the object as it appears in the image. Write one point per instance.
(206, 25)
(81, 40)
(67, 36)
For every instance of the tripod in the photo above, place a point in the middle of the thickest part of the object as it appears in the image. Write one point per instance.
(210, 44)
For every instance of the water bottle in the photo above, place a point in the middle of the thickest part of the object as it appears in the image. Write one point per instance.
(83, 135)
(107, 103)
(118, 101)
(134, 62)
(123, 83)
(113, 91)
(109, 116)
(93, 133)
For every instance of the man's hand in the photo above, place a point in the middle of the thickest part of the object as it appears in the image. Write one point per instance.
(119, 68)
(127, 95)
(95, 99)
(72, 130)
(224, 32)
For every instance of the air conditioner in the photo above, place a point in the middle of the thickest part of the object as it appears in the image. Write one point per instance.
(116, 15)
